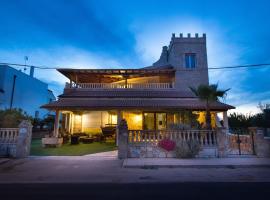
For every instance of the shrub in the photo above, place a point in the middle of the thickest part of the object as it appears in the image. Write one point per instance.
(11, 118)
(187, 149)
(167, 144)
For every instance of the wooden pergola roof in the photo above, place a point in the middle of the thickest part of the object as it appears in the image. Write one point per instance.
(95, 74)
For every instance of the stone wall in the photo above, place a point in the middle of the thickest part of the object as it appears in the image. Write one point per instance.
(224, 144)
(262, 144)
(146, 146)
(16, 143)
(148, 150)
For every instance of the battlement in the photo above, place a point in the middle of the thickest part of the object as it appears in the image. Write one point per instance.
(196, 39)
(188, 36)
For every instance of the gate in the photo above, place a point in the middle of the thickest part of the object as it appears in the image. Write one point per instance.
(241, 142)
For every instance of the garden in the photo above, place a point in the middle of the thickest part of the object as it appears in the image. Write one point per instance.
(71, 149)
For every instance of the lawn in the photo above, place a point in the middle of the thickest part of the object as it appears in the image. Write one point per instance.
(70, 150)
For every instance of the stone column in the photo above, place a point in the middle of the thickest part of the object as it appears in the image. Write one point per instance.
(56, 124)
(225, 120)
(119, 119)
(261, 143)
(222, 142)
(24, 139)
(123, 139)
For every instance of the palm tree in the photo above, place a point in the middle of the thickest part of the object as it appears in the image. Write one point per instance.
(209, 94)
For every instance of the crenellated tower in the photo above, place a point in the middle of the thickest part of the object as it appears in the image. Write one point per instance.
(188, 55)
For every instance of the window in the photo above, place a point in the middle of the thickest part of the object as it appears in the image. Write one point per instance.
(190, 59)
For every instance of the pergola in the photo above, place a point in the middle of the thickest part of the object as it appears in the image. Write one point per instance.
(112, 75)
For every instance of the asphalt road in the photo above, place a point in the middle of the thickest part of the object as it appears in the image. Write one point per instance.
(85, 170)
(185, 191)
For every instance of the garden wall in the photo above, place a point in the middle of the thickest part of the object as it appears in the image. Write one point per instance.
(15, 142)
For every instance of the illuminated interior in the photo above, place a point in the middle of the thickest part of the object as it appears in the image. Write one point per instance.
(134, 120)
(92, 121)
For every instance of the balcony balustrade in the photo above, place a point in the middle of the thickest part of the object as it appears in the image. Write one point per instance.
(120, 85)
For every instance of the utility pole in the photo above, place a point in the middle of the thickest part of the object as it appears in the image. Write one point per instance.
(12, 92)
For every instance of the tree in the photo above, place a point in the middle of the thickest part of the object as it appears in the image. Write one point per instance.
(208, 94)
(240, 121)
(11, 118)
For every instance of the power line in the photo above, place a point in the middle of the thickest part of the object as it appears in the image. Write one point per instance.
(242, 66)
(209, 68)
(24, 65)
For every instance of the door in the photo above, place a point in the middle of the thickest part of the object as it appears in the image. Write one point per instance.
(149, 121)
(161, 122)
(154, 121)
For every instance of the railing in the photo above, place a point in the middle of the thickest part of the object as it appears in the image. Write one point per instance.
(8, 135)
(121, 85)
(204, 137)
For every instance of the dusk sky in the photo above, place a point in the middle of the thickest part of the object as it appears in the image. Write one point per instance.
(130, 34)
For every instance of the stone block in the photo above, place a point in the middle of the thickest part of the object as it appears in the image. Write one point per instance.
(52, 142)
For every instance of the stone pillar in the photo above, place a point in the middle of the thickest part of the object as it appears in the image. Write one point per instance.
(56, 124)
(24, 139)
(222, 142)
(225, 120)
(119, 119)
(70, 123)
(261, 143)
(123, 139)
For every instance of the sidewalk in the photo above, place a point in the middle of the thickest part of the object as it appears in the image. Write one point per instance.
(196, 163)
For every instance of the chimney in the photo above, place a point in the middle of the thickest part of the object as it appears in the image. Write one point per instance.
(32, 71)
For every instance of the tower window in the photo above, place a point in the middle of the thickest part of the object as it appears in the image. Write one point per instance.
(190, 59)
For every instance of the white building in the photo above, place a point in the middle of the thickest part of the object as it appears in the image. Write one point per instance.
(20, 90)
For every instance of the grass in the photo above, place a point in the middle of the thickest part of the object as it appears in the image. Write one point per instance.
(70, 150)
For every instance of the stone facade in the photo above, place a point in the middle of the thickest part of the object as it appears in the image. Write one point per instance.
(148, 151)
(174, 55)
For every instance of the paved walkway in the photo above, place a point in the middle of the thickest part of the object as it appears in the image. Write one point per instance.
(110, 155)
(196, 163)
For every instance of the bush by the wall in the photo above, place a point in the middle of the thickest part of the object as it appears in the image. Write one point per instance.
(187, 149)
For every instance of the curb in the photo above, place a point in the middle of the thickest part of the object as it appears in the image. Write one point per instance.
(194, 166)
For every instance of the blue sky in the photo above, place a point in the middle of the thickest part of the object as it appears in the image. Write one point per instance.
(128, 34)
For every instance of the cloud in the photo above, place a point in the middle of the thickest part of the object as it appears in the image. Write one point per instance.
(222, 51)
(62, 57)
(81, 24)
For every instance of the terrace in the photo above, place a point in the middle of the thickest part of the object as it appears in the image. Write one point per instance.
(119, 78)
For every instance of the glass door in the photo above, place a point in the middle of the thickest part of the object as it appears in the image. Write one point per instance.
(149, 121)
(154, 121)
(161, 121)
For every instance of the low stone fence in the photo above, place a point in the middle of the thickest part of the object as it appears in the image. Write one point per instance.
(252, 143)
(144, 143)
(15, 142)
(261, 143)
(213, 143)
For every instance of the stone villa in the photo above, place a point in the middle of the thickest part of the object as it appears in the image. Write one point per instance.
(154, 98)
